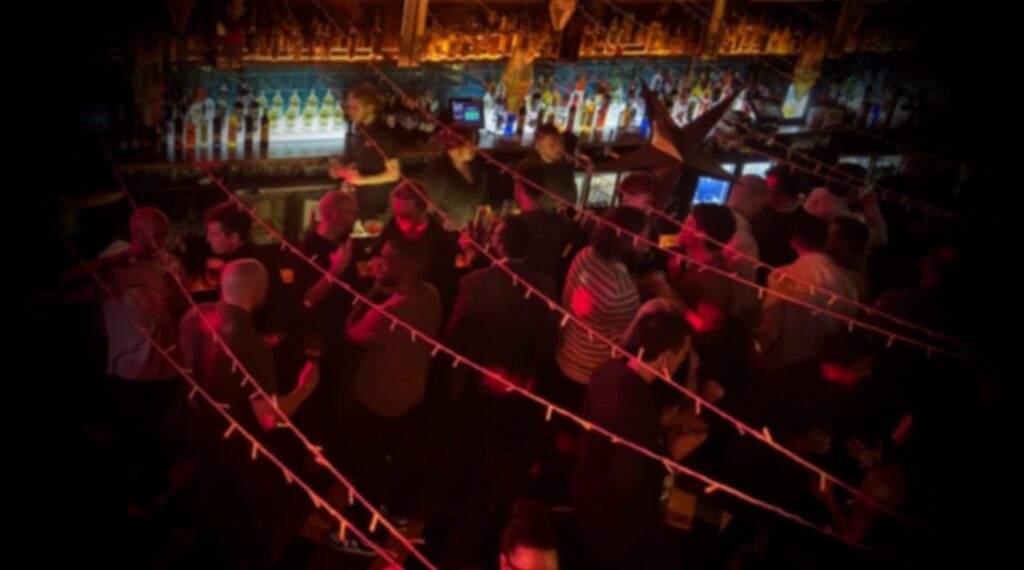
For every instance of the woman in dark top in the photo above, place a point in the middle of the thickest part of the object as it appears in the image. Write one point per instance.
(456, 181)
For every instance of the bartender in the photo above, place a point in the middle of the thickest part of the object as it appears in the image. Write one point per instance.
(362, 168)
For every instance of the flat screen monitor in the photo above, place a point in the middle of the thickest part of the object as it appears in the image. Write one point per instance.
(468, 112)
(711, 191)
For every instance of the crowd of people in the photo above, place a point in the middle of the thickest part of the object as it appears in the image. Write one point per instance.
(521, 492)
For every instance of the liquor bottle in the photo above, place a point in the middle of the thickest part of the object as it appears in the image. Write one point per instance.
(203, 130)
(233, 124)
(250, 125)
(521, 120)
(265, 129)
(339, 117)
(490, 120)
(190, 132)
(570, 123)
(588, 116)
(218, 130)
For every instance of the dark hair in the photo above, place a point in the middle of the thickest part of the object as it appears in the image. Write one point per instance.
(231, 219)
(367, 94)
(639, 184)
(853, 233)
(787, 181)
(515, 237)
(811, 233)
(532, 170)
(656, 332)
(410, 191)
(716, 221)
(611, 243)
(546, 130)
(529, 526)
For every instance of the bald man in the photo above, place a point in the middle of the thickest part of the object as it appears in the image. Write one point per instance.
(241, 501)
(244, 286)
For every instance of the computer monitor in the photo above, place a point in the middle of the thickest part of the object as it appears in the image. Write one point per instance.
(467, 111)
(711, 191)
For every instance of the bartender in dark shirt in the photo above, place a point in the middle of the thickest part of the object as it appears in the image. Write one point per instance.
(558, 174)
(456, 180)
(361, 166)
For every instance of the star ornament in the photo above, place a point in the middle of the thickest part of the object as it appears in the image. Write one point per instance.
(672, 147)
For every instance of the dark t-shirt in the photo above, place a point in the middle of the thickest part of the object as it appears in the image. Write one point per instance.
(495, 326)
(457, 197)
(615, 489)
(237, 499)
(559, 177)
(335, 307)
(441, 250)
(696, 286)
(214, 370)
(360, 153)
(549, 236)
(773, 230)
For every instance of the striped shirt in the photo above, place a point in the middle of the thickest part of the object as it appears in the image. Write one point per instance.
(602, 295)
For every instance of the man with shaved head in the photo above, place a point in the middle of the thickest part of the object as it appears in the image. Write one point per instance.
(244, 286)
(241, 502)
